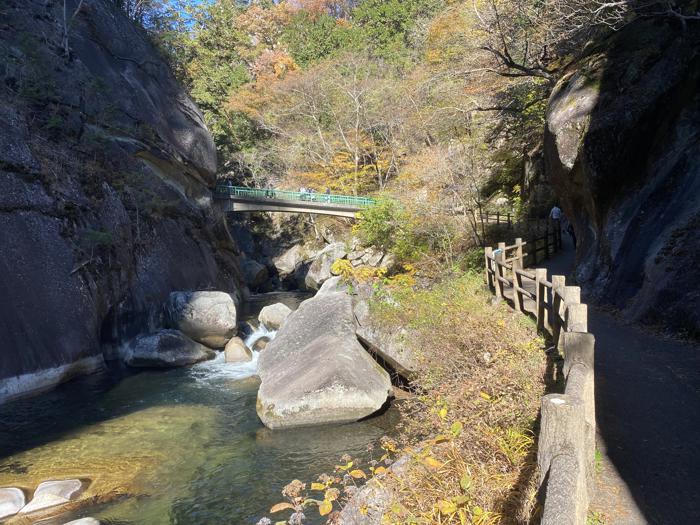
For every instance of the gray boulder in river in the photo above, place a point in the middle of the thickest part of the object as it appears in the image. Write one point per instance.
(206, 317)
(316, 372)
(165, 349)
(274, 315)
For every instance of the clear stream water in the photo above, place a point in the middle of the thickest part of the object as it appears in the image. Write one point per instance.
(181, 446)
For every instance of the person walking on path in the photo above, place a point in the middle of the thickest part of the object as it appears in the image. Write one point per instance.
(555, 216)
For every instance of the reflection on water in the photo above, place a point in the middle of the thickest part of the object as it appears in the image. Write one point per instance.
(182, 446)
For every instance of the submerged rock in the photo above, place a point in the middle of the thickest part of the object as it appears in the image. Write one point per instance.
(236, 351)
(315, 371)
(53, 493)
(84, 521)
(273, 316)
(164, 349)
(11, 501)
(206, 317)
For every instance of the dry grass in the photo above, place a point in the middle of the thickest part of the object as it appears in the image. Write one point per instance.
(480, 385)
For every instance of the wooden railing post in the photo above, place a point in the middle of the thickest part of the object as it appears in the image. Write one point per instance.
(500, 269)
(488, 255)
(519, 254)
(541, 299)
(570, 297)
(558, 284)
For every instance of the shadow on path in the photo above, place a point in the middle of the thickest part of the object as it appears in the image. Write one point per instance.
(648, 414)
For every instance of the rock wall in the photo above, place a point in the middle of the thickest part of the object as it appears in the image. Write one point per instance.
(622, 149)
(106, 168)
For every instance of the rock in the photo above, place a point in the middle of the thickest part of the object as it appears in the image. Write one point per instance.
(237, 352)
(370, 502)
(315, 372)
(273, 316)
(255, 273)
(320, 269)
(332, 285)
(388, 262)
(206, 317)
(390, 345)
(261, 344)
(289, 261)
(165, 349)
(372, 257)
(52, 493)
(84, 521)
(626, 172)
(11, 501)
(87, 260)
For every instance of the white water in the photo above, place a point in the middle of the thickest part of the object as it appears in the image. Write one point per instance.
(218, 368)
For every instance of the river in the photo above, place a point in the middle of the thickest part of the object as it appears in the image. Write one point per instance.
(180, 446)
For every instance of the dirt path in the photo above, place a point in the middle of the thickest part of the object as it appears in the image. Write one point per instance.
(648, 414)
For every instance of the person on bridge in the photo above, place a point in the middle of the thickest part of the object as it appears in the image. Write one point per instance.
(555, 216)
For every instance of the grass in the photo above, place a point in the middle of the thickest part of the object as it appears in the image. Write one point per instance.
(482, 368)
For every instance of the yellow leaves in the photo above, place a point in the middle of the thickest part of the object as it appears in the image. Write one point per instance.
(465, 482)
(280, 507)
(379, 470)
(446, 507)
(456, 428)
(358, 474)
(318, 486)
(484, 395)
(345, 467)
(326, 507)
(331, 494)
(431, 462)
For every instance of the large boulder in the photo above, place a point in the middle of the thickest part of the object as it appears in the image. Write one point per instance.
(255, 273)
(165, 349)
(320, 269)
(274, 315)
(288, 262)
(316, 372)
(622, 154)
(206, 317)
(236, 351)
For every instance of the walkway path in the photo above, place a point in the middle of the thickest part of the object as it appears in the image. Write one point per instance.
(648, 414)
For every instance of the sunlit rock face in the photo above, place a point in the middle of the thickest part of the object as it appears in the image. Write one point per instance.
(106, 168)
(622, 152)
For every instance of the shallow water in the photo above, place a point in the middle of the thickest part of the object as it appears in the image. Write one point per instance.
(182, 446)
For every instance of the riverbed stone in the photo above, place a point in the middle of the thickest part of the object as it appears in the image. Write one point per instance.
(236, 351)
(53, 493)
(11, 501)
(274, 315)
(164, 349)
(315, 371)
(84, 521)
(261, 344)
(207, 317)
(320, 269)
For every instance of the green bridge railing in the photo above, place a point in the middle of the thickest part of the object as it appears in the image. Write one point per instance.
(224, 191)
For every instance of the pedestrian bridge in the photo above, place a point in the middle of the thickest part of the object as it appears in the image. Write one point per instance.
(241, 199)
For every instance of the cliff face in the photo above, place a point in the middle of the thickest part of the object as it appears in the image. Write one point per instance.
(622, 149)
(106, 168)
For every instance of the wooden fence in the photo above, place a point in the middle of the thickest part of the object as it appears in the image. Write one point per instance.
(566, 444)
